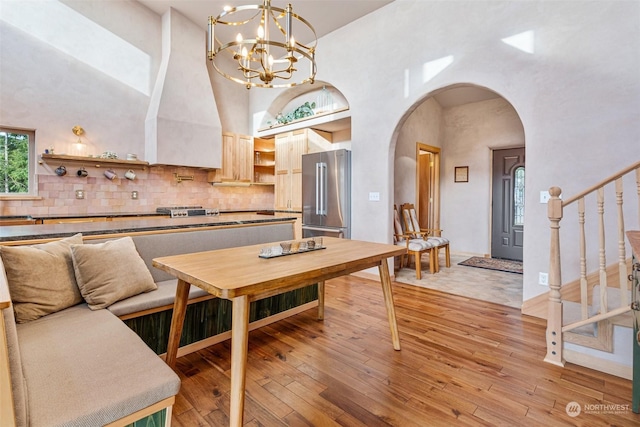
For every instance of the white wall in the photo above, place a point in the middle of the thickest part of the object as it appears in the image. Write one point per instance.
(578, 94)
(56, 71)
(423, 125)
(89, 63)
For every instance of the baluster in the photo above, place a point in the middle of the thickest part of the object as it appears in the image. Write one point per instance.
(554, 310)
(584, 295)
(622, 256)
(638, 191)
(603, 256)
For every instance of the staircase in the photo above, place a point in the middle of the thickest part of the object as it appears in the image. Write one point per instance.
(591, 326)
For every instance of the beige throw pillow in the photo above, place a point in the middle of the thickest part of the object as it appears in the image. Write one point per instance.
(41, 278)
(110, 271)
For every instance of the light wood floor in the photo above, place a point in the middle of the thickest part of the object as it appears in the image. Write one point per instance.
(463, 362)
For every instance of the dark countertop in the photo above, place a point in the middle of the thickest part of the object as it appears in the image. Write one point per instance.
(95, 215)
(120, 214)
(53, 231)
(136, 214)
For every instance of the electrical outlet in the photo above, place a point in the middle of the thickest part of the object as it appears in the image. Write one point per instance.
(79, 194)
(543, 279)
(374, 196)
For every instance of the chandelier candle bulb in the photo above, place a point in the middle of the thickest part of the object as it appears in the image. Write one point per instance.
(240, 47)
(210, 39)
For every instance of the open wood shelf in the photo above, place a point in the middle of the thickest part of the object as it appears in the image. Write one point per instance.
(264, 151)
(319, 115)
(97, 162)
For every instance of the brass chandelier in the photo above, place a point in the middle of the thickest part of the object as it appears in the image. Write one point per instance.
(271, 57)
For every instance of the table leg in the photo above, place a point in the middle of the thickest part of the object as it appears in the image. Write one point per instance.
(388, 301)
(239, 347)
(177, 321)
(321, 300)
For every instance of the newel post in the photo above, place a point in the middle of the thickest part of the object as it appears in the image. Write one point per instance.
(554, 311)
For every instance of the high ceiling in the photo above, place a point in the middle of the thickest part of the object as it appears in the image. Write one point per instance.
(325, 15)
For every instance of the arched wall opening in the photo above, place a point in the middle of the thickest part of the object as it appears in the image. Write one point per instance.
(305, 106)
(466, 122)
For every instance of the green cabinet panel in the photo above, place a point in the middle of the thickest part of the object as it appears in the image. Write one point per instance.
(154, 420)
(212, 317)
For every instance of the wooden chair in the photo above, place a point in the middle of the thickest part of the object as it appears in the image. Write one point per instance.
(415, 246)
(432, 235)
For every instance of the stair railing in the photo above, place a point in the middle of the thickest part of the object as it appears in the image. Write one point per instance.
(555, 209)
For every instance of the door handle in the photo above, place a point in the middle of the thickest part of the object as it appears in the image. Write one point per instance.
(323, 188)
(318, 189)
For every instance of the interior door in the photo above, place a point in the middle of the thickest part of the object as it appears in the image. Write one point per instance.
(425, 200)
(507, 225)
(428, 185)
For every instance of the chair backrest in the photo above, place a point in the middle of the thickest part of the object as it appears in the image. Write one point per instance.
(411, 224)
(398, 233)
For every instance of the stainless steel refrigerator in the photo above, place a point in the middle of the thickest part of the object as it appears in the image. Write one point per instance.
(326, 194)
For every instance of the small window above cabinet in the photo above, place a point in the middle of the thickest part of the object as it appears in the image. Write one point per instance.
(264, 161)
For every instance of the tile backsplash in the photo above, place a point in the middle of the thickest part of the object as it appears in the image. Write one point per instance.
(155, 186)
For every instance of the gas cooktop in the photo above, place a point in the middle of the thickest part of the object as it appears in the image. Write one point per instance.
(184, 211)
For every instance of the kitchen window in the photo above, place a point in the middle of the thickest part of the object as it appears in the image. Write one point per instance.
(17, 162)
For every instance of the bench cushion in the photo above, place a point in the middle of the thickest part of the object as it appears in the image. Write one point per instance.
(164, 295)
(87, 368)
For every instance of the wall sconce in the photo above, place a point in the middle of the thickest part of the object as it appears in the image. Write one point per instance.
(180, 178)
(78, 148)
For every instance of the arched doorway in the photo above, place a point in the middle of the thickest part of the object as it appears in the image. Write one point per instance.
(466, 124)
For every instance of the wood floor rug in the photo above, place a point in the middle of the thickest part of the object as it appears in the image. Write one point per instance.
(494, 264)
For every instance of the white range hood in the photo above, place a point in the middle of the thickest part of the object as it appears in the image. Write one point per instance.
(182, 126)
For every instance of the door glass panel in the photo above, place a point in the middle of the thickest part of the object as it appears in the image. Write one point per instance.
(518, 196)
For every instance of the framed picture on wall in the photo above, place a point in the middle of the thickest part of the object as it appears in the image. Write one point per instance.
(461, 174)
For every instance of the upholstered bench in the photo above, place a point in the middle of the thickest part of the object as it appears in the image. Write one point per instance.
(69, 363)
(66, 357)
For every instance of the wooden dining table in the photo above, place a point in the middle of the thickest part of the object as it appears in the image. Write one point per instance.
(240, 275)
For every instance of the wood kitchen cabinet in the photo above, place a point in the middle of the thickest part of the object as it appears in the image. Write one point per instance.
(290, 147)
(237, 159)
(264, 161)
